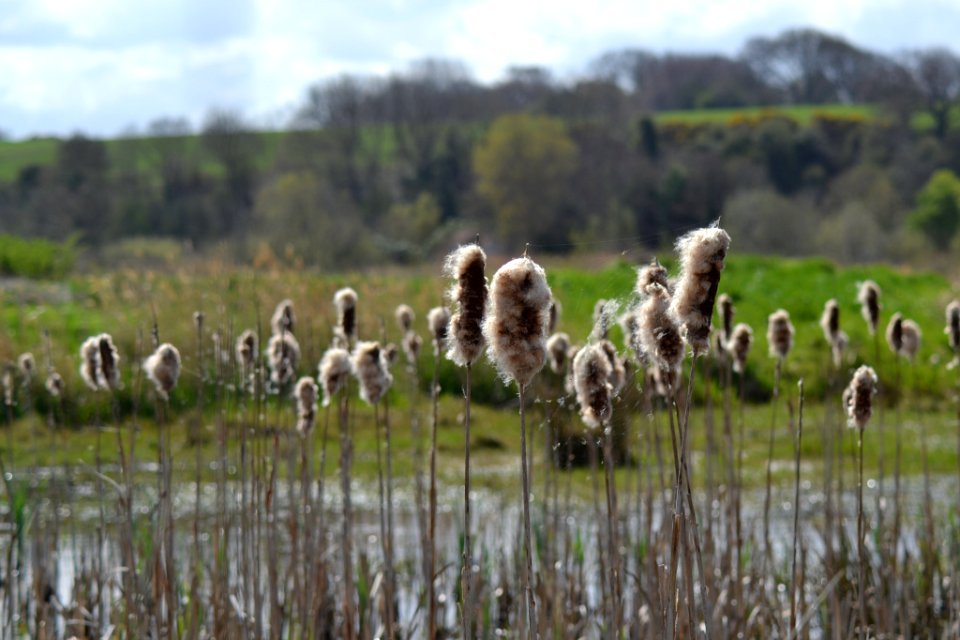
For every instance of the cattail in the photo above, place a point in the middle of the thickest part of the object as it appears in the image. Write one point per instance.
(55, 385)
(591, 379)
(305, 394)
(558, 347)
(390, 354)
(345, 300)
(664, 380)
(659, 332)
(741, 339)
(8, 390)
(603, 312)
(335, 369)
(109, 370)
(246, 350)
(405, 317)
(283, 354)
(779, 334)
(702, 253)
(653, 273)
(438, 321)
(554, 317)
(411, 346)
(90, 362)
(466, 265)
(370, 367)
(282, 319)
(910, 339)
(830, 320)
(163, 369)
(869, 298)
(516, 325)
(838, 348)
(858, 397)
(618, 373)
(27, 365)
(630, 324)
(953, 325)
(725, 305)
(568, 383)
(895, 333)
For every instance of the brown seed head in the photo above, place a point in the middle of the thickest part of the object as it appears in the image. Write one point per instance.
(109, 370)
(702, 255)
(345, 301)
(725, 305)
(558, 346)
(466, 266)
(910, 343)
(591, 379)
(953, 325)
(283, 319)
(90, 362)
(868, 296)
(283, 355)
(858, 397)
(55, 385)
(335, 369)
(653, 273)
(895, 333)
(779, 333)
(163, 369)
(405, 317)
(739, 346)
(370, 367)
(659, 331)
(438, 322)
(305, 394)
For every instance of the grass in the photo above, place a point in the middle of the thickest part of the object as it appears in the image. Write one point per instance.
(802, 114)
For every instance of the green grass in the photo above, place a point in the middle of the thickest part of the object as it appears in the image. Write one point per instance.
(802, 114)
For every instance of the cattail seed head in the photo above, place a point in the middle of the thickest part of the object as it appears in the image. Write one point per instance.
(438, 322)
(603, 313)
(910, 344)
(554, 317)
(283, 319)
(370, 367)
(8, 387)
(55, 385)
(653, 273)
(702, 254)
(345, 301)
(858, 397)
(516, 323)
(90, 362)
(591, 380)
(109, 369)
(283, 355)
(664, 380)
(405, 317)
(411, 347)
(246, 350)
(630, 324)
(558, 348)
(568, 383)
(466, 266)
(779, 333)
(390, 354)
(659, 331)
(725, 305)
(305, 394)
(869, 298)
(741, 339)
(953, 325)
(27, 365)
(895, 333)
(163, 369)
(618, 373)
(830, 320)
(335, 368)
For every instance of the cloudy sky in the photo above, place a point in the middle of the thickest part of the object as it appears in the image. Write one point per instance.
(104, 66)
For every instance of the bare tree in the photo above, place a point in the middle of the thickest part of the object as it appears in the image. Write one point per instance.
(936, 76)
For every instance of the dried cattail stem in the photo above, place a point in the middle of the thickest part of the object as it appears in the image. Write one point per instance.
(305, 394)
(334, 371)
(163, 369)
(702, 254)
(370, 367)
(283, 318)
(780, 333)
(558, 347)
(739, 346)
(591, 379)
(466, 265)
(868, 296)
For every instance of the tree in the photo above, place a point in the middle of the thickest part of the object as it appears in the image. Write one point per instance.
(523, 167)
(937, 215)
(936, 76)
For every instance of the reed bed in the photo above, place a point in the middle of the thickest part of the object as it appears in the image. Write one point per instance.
(277, 535)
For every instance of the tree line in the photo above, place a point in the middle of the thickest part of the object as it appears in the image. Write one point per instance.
(377, 169)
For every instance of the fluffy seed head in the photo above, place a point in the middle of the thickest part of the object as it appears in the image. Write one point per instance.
(895, 333)
(283, 355)
(411, 347)
(568, 386)
(702, 254)
(653, 273)
(618, 373)
(603, 312)
(370, 367)
(390, 354)
(55, 385)
(659, 331)
(109, 370)
(591, 380)
(558, 347)
(163, 369)
(345, 300)
(630, 324)
(8, 384)
(90, 361)
(246, 350)
(335, 369)
(779, 333)
(28, 365)
(725, 305)
(516, 323)
(869, 298)
(282, 320)
(554, 317)
(305, 394)
(664, 380)
(438, 321)
(830, 320)
(953, 325)
(838, 347)
(466, 266)
(405, 317)
(858, 397)
(911, 340)
(741, 339)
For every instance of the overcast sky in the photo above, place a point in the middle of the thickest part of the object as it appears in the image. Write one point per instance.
(102, 66)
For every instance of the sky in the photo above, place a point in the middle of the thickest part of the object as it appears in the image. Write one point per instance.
(105, 67)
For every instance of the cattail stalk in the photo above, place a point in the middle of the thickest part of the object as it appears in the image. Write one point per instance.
(438, 320)
(796, 517)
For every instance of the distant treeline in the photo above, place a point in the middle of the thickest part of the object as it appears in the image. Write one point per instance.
(390, 169)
